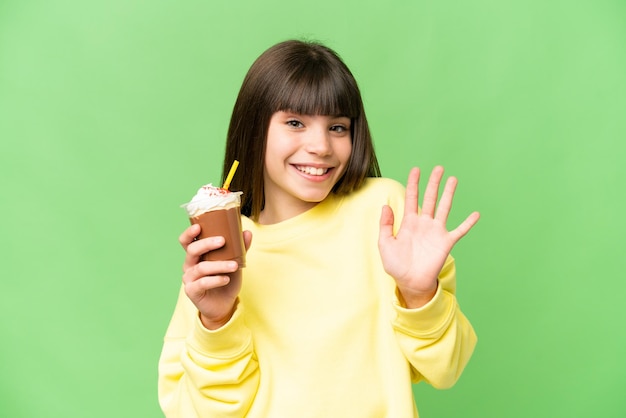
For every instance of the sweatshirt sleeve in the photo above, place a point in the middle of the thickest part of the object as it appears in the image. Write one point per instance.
(437, 339)
(204, 373)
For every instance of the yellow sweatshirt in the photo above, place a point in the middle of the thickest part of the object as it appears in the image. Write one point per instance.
(319, 331)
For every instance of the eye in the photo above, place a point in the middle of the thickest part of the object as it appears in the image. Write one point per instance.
(339, 128)
(295, 123)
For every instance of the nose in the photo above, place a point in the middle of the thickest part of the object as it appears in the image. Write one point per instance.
(318, 142)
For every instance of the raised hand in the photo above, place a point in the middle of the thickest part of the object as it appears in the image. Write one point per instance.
(213, 286)
(416, 254)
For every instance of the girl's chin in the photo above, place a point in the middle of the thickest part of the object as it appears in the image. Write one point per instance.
(313, 196)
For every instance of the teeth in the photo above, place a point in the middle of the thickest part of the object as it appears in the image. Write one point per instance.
(313, 171)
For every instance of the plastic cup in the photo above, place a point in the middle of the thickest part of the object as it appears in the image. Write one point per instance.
(223, 221)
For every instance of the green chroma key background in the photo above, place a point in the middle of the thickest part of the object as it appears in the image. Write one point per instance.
(112, 113)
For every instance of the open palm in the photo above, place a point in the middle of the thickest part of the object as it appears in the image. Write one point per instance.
(416, 254)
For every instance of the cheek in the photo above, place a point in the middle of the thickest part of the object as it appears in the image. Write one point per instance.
(279, 146)
(344, 151)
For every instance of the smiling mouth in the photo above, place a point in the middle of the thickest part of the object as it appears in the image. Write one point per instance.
(312, 171)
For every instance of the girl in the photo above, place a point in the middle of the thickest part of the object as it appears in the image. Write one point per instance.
(340, 306)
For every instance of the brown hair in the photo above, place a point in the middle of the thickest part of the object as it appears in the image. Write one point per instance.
(301, 77)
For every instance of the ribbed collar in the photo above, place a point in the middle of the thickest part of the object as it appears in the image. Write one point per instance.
(294, 227)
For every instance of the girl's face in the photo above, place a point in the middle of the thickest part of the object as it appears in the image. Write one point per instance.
(305, 156)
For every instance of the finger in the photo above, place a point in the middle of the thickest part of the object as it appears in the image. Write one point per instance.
(189, 235)
(445, 203)
(197, 248)
(465, 226)
(204, 245)
(386, 224)
(432, 191)
(247, 239)
(196, 289)
(412, 191)
(209, 268)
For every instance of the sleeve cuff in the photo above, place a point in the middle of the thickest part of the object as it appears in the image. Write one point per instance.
(227, 341)
(428, 320)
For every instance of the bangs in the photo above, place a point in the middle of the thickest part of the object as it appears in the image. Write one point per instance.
(315, 90)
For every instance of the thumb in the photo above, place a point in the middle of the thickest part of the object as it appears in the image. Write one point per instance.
(386, 224)
(247, 239)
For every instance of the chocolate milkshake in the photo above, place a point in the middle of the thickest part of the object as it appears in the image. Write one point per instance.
(218, 213)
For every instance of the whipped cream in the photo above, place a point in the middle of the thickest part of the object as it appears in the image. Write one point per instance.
(210, 198)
